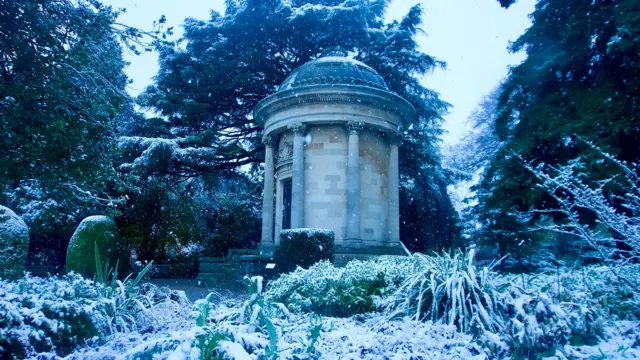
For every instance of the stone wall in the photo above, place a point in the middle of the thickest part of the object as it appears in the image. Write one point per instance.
(325, 163)
(374, 205)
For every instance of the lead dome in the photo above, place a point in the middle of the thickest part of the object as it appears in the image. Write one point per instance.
(334, 68)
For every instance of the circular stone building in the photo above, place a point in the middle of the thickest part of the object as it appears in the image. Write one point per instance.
(332, 132)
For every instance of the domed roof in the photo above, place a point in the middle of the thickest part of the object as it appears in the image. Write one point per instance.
(334, 68)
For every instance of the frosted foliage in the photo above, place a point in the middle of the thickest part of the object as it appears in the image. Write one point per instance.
(356, 288)
(156, 154)
(14, 242)
(558, 314)
(52, 316)
(617, 216)
(39, 313)
(260, 329)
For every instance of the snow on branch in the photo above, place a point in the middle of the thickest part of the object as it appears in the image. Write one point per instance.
(616, 234)
(185, 157)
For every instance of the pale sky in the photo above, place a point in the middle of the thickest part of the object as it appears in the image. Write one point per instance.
(470, 35)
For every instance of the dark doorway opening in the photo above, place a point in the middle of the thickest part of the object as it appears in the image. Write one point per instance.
(286, 204)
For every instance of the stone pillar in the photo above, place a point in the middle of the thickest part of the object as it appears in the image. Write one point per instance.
(353, 181)
(297, 177)
(278, 212)
(394, 190)
(267, 195)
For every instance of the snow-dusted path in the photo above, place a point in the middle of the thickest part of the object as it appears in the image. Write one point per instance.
(195, 291)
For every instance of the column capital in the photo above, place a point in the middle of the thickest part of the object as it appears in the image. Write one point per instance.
(396, 138)
(269, 140)
(354, 127)
(298, 128)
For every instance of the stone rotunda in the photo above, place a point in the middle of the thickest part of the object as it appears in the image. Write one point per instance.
(332, 132)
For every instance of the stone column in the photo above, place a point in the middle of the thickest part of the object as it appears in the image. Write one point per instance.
(353, 181)
(394, 190)
(267, 195)
(297, 177)
(278, 211)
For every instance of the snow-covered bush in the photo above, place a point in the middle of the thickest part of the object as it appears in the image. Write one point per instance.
(332, 291)
(507, 315)
(100, 231)
(55, 315)
(14, 243)
(128, 305)
(449, 289)
(597, 286)
(39, 314)
(305, 247)
(539, 325)
(613, 235)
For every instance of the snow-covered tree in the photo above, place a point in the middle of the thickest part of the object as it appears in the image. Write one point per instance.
(581, 76)
(61, 86)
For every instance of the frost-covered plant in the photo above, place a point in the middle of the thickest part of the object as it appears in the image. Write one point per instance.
(539, 326)
(126, 307)
(615, 238)
(595, 286)
(225, 332)
(39, 314)
(57, 314)
(508, 315)
(332, 291)
(449, 289)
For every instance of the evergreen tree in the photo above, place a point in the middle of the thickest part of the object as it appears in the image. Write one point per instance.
(61, 86)
(205, 92)
(580, 78)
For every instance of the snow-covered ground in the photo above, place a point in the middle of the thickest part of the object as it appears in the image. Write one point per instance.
(559, 316)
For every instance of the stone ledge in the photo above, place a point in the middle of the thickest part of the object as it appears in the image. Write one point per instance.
(235, 266)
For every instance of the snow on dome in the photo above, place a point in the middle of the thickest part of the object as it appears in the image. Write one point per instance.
(334, 68)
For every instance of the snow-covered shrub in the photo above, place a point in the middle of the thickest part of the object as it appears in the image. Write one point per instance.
(14, 243)
(55, 315)
(596, 286)
(507, 315)
(613, 236)
(100, 231)
(39, 314)
(539, 325)
(449, 289)
(305, 247)
(332, 291)
(224, 332)
(127, 306)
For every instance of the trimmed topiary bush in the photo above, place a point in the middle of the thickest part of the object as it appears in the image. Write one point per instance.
(14, 243)
(103, 232)
(304, 247)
